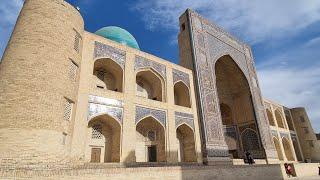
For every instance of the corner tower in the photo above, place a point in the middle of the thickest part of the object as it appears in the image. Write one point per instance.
(230, 107)
(39, 83)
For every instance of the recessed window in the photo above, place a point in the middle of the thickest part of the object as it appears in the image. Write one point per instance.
(97, 132)
(302, 119)
(73, 70)
(77, 41)
(68, 109)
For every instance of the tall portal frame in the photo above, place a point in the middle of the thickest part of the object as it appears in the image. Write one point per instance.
(201, 45)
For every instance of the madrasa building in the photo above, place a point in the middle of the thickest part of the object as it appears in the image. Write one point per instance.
(68, 96)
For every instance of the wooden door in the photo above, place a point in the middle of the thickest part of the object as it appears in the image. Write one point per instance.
(95, 155)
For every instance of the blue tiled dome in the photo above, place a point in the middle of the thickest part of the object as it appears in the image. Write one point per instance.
(119, 35)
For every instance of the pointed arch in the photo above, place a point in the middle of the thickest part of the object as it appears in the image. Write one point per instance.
(287, 149)
(181, 94)
(186, 124)
(270, 117)
(104, 138)
(154, 118)
(234, 90)
(279, 118)
(143, 143)
(150, 84)
(278, 148)
(186, 143)
(109, 74)
(250, 140)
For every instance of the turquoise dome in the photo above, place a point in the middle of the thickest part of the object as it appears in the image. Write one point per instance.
(119, 35)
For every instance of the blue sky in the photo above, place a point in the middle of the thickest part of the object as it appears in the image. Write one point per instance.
(284, 35)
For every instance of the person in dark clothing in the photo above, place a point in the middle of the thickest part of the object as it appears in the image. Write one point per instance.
(251, 161)
(249, 157)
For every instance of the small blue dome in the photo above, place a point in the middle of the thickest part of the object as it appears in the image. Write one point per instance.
(119, 35)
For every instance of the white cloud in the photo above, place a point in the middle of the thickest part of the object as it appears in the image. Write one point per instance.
(296, 82)
(252, 20)
(9, 11)
(294, 88)
(290, 77)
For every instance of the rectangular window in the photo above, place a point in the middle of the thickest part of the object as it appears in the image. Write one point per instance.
(68, 110)
(73, 70)
(77, 41)
(64, 138)
(97, 132)
(302, 119)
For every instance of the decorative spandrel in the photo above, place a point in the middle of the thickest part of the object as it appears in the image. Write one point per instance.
(143, 112)
(100, 105)
(105, 51)
(183, 118)
(142, 63)
(180, 76)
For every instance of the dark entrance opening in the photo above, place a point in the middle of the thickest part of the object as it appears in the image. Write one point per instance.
(152, 153)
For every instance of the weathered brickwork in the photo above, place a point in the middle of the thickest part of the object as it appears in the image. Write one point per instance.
(35, 82)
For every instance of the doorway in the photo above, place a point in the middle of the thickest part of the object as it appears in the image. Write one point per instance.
(95, 155)
(152, 153)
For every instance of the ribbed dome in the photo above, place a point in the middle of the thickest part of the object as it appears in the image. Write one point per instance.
(119, 35)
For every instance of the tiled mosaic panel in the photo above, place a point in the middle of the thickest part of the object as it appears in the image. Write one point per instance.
(141, 63)
(231, 131)
(180, 76)
(274, 133)
(186, 118)
(286, 135)
(143, 112)
(210, 43)
(105, 101)
(100, 105)
(104, 51)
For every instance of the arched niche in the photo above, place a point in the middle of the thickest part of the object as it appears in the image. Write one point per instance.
(290, 123)
(109, 74)
(270, 118)
(287, 149)
(104, 139)
(150, 149)
(278, 148)
(250, 140)
(181, 94)
(186, 150)
(149, 84)
(234, 91)
(279, 118)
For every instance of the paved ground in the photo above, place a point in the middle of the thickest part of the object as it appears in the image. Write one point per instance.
(305, 178)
